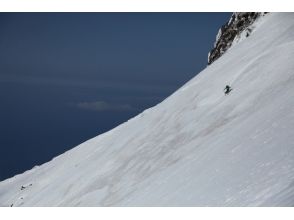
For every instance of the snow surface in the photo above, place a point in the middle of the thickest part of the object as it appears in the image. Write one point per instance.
(196, 148)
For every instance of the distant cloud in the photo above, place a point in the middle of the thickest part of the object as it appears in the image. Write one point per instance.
(86, 83)
(104, 106)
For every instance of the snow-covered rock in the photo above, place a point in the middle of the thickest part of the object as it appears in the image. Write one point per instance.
(239, 24)
(196, 148)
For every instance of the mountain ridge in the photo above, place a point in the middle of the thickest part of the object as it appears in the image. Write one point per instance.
(232, 31)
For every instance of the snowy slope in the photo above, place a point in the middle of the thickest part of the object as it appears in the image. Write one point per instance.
(196, 148)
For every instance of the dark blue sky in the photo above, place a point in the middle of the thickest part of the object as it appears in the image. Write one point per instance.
(67, 77)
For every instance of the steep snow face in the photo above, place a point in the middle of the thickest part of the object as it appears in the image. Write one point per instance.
(196, 148)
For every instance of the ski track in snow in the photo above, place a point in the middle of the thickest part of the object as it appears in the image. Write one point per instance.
(196, 148)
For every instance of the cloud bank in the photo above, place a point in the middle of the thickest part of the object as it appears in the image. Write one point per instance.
(104, 106)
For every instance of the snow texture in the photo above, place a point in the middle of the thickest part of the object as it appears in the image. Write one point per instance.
(196, 148)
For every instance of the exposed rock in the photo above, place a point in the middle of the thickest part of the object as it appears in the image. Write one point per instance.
(238, 22)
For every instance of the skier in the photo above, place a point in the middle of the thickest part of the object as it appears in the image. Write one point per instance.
(227, 89)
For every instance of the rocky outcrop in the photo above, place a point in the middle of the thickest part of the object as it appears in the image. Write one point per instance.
(239, 22)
